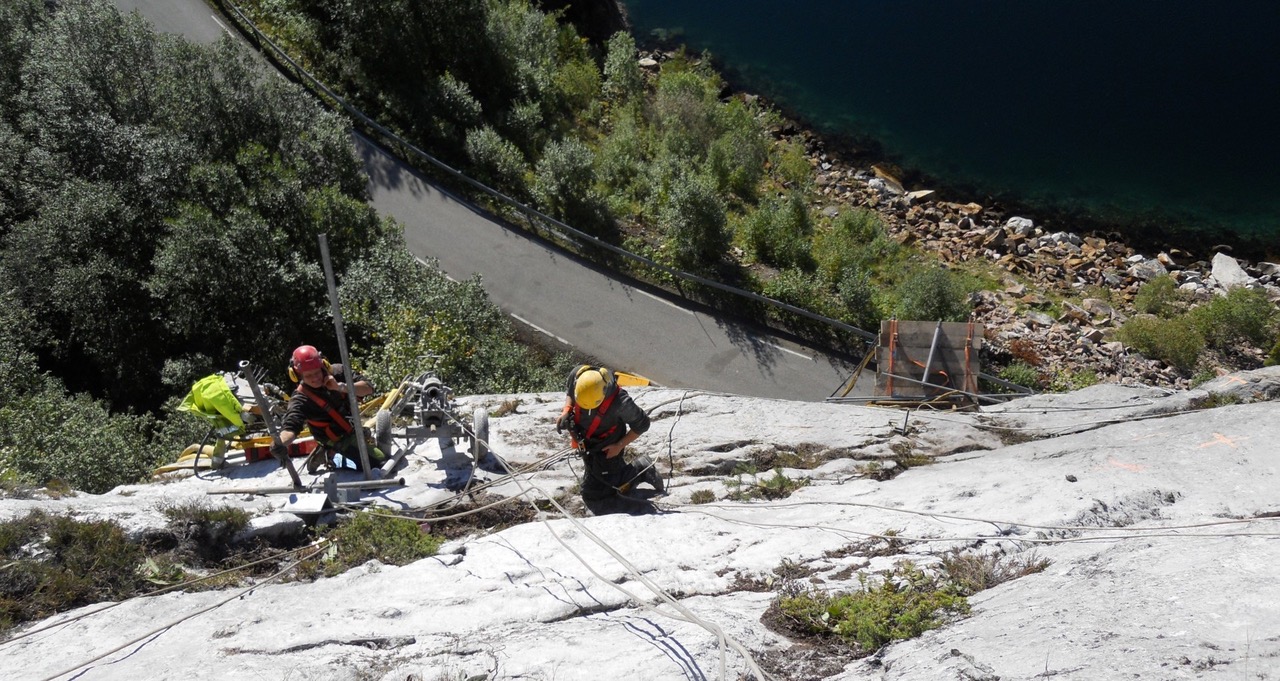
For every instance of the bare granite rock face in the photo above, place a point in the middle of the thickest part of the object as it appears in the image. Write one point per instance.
(1120, 531)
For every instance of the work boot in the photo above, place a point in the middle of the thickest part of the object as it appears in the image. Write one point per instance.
(650, 474)
(319, 457)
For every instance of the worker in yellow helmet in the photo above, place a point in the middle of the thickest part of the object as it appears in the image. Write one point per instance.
(602, 419)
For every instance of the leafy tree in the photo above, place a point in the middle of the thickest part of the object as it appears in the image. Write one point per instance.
(400, 312)
(778, 233)
(694, 220)
(623, 81)
(496, 159)
(684, 113)
(738, 155)
(564, 184)
(172, 193)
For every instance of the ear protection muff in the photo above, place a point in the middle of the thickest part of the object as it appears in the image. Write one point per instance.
(591, 386)
(607, 375)
(293, 373)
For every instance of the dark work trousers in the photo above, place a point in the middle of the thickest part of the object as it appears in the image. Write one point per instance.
(603, 476)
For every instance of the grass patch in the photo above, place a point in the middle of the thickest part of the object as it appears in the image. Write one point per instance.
(777, 487)
(902, 603)
(206, 533)
(972, 573)
(367, 536)
(1215, 400)
(507, 407)
(56, 563)
(804, 456)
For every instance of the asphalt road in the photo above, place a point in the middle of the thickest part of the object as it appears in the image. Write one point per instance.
(619, 323)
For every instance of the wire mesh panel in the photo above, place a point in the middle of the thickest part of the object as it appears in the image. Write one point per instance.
(927, 360)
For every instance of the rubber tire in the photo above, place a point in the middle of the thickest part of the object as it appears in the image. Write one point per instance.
(381, 424)
(479, 435)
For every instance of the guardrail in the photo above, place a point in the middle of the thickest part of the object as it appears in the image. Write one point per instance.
(565, 230)
(535, 216)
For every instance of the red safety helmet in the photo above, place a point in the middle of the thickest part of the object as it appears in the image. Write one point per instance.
(305, 358)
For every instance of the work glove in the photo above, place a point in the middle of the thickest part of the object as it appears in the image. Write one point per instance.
(279, 451)
(565, 422)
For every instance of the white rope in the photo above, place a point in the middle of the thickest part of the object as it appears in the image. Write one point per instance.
(197, 613)
(685, 615)
(157, 592)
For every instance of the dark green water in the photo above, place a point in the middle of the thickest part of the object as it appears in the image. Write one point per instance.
(1147, 115)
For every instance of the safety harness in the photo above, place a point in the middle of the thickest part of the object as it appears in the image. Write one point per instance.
(343, 427)
(595, 422)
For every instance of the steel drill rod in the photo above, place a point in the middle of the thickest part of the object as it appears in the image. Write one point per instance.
(247, 370)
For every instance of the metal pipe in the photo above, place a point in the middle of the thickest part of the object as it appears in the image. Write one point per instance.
(339, 329)
(977, 396)
(247, 370)
(370, 484)
(254, 490)
(355, 484)
(933, 347)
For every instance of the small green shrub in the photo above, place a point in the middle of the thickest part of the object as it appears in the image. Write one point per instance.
(778, 233)
(684, 109)
(858, 301)
(793, 166)
(366, 536)
(1160, 297)
(856, 240)
(1175, 341)
(702, 496)
(1242, 316)
(1215, 400)
(803, 290)
(1020, 373)
(50, 435)
(932, 294)
(621, 162)
(1066, 381)
(904, 604)
(206, 532)
(1273, 357)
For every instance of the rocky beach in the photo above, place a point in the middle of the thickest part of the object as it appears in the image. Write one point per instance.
(1094, 277)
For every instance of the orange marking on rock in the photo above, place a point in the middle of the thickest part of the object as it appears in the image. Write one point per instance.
(1220, 439)
(1131, 467)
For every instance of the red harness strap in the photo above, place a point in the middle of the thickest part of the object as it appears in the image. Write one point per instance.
(595, 422)
(335, 418)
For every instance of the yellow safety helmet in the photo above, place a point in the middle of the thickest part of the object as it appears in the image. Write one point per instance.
(591, 386)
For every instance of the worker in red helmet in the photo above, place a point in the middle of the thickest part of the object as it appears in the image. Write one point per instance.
(320, 402)
(602, 420)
